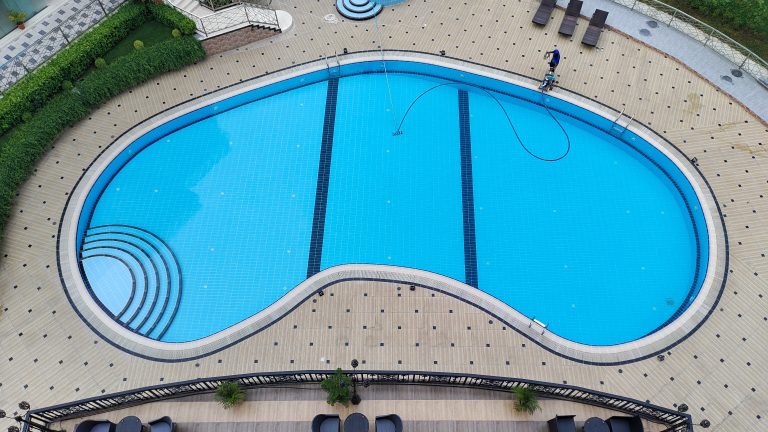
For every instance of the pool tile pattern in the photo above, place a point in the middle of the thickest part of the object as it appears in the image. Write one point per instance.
(323, 178)
(50, 356)
(467, 192)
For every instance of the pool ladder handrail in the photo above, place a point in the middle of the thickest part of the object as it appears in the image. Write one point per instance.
(336, 68)
(540, 327)
(617, 127)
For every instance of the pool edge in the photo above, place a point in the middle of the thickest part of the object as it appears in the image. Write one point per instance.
(86, 307)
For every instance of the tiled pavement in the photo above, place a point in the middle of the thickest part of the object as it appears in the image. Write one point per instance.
(49, 19)
(50, 356)
(688, 50)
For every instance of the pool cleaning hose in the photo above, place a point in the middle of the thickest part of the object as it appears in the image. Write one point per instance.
(399, 130)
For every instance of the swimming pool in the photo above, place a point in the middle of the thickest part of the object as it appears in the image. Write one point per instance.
(209, 218)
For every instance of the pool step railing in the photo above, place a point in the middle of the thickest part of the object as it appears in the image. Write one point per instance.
(151, 309)
(617, 128)
(333, 70)
(537, 325)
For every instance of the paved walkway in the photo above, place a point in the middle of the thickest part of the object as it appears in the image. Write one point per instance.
(50, 356)
(695, 55)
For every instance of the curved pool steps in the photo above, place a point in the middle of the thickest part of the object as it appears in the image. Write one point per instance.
(157, 265)
(172, 298)
(159, 262)
(358, 10)
(148, 266)
(138, 283)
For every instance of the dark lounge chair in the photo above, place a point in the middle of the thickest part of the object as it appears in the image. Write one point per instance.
(596, 24)
(95, 426)
(562, 423)
(389, 423)
(544, 12)
(572, 13)
(625, 424)
(163, 424)
(326, 423)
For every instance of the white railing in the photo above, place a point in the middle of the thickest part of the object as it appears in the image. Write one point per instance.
(736, 53)
(237, 15)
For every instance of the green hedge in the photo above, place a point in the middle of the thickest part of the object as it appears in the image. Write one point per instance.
(21, 148)
(748, 14)
(37, 87)
(128, 71)
(172, 18)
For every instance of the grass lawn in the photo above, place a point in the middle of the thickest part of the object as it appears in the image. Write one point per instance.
(150, 33)
(756, 43)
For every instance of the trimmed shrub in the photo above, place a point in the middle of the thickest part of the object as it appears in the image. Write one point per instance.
(176, 33)
(172, 18)
(23, 146)
(100, 63)
(138, 45)
(137, 67)
(27, 116)
(37, 87)
(67, 85)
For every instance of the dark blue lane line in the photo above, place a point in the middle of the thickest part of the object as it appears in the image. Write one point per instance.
(323, 178)
(467, 192)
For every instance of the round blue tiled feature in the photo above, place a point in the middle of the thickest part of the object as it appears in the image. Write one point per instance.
(358, 9)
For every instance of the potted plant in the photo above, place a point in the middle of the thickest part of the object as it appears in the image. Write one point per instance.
(338, 387)
(230, 394)
(525, 400)
(18, 18)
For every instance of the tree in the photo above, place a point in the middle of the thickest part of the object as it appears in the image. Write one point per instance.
(525, 400)
(230, 394)
(338, 388)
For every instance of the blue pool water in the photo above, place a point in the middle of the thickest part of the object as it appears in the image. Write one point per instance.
(209, 218)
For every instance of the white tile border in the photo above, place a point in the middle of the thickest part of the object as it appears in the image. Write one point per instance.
(89, 310)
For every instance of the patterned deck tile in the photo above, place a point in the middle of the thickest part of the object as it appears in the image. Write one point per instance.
(729, 143)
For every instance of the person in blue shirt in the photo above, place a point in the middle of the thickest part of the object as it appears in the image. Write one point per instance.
(555, 60)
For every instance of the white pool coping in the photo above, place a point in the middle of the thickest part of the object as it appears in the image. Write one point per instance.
(88, 309)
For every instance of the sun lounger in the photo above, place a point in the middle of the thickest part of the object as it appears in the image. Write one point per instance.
(625, 424)
(326, 423)
(596, 24)
(389, 423)
(163, 424)
(95, 426)
(544, 12)
(572, 13)
(562, 424)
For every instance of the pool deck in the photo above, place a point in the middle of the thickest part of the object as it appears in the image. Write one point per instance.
(50, 356)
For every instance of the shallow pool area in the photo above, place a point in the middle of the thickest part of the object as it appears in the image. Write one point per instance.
(213, 216)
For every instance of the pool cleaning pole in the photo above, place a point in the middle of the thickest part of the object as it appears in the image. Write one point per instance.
(386, 75)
